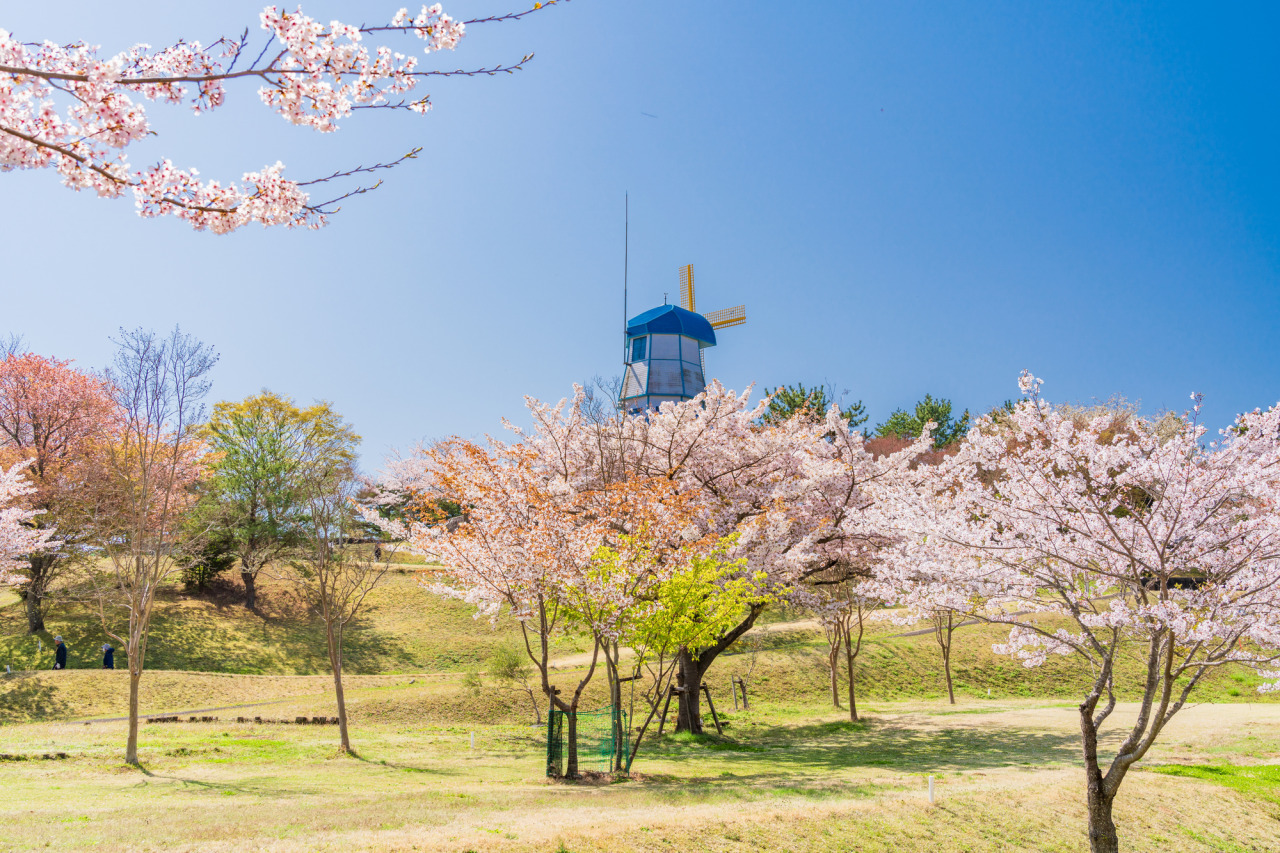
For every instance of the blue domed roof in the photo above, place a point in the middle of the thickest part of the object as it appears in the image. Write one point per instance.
(672, 320)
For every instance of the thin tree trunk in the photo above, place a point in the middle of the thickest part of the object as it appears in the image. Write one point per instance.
(131, 749)
(833, 664)
(850, 655)
(615, 699)
(335, 663)
(942, 632)
(571, 764)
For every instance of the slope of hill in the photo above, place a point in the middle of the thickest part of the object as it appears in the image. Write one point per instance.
(209, 651)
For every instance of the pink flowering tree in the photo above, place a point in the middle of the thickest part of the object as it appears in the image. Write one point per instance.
(19, 539)
(790, 497)
(1101, 537)
(70, 109)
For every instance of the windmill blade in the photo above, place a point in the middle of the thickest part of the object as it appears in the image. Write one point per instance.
(686, 288)
(725, 317)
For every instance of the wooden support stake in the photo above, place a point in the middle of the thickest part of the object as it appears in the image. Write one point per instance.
(712, 706)
(662, 721)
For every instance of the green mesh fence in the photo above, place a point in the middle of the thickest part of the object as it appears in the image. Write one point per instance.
(602, 734)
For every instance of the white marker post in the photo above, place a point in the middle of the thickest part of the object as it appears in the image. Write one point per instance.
(931, 800)
(473, 740)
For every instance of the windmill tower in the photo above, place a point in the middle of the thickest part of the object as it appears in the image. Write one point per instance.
(665, 346)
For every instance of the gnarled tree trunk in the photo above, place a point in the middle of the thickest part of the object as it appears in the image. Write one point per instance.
(694, 669)
(1102, 829)
(33, 591)
(250, 591)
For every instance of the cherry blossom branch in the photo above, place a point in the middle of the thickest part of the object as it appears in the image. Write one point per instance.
(315, 75)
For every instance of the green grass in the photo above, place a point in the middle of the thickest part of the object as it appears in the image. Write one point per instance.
(1006, 780)
(1261, 781)
(789, 774)
(403, 629)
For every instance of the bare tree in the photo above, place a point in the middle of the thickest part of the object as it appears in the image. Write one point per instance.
(334, 575)
(944, 626)
(144, 483)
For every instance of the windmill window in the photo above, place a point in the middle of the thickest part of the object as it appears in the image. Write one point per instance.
(638, 348)
(665, 346)
(689, 350)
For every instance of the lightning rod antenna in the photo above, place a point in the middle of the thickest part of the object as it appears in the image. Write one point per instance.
(626, 246)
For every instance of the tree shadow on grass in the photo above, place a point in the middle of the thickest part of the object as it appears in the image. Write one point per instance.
(806, 755)
(24, 696)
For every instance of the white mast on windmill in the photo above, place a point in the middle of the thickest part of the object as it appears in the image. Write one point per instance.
(664, 349)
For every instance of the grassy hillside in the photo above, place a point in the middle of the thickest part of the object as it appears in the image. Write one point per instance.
(403, 629)
(199, 642)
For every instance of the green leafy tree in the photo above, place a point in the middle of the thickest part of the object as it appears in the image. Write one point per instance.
(790, 400)
(266, 449)
(903, 424)
(690, 612)
(208, 552)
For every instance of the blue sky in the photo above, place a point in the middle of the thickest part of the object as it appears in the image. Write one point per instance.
(909, 198)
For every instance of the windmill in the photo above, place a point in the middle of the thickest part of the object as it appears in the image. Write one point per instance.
(721, 319)
(665, 346)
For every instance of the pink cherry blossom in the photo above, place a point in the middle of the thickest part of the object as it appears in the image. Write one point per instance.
(18, 538)
(1096, 535)
(70, 109)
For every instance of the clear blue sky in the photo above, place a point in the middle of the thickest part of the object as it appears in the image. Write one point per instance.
(909, 198)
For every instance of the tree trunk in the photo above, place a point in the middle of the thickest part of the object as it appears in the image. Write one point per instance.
(849, 659)
(335, 664)
(33, 591)
(943, 628)
(571, 739)
(250, 593)
(615, 699)
(1102, 829)
(688, 709)
(35, 610)
(131, 750)
(693, 671)
(946, 667)
(833, 664)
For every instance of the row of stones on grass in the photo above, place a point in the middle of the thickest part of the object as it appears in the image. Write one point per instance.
(299, 721)
(48, 756)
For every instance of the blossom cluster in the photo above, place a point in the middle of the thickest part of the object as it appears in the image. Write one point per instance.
(18, 538)
(319, 76)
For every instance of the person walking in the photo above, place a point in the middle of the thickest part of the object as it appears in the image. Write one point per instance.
(108, 656)
(59, 653)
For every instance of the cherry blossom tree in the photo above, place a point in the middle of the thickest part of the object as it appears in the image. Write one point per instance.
(556, 556)
(56, 417)
(19, 538)
(842, 607)
(70, 109)
(1097, 538)
(522, 540)
(791, 495)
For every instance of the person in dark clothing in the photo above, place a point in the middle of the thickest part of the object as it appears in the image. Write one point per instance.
(59, 653)
(108, 656)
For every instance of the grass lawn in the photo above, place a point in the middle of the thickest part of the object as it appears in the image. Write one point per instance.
(781, 779)
(788, 775)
